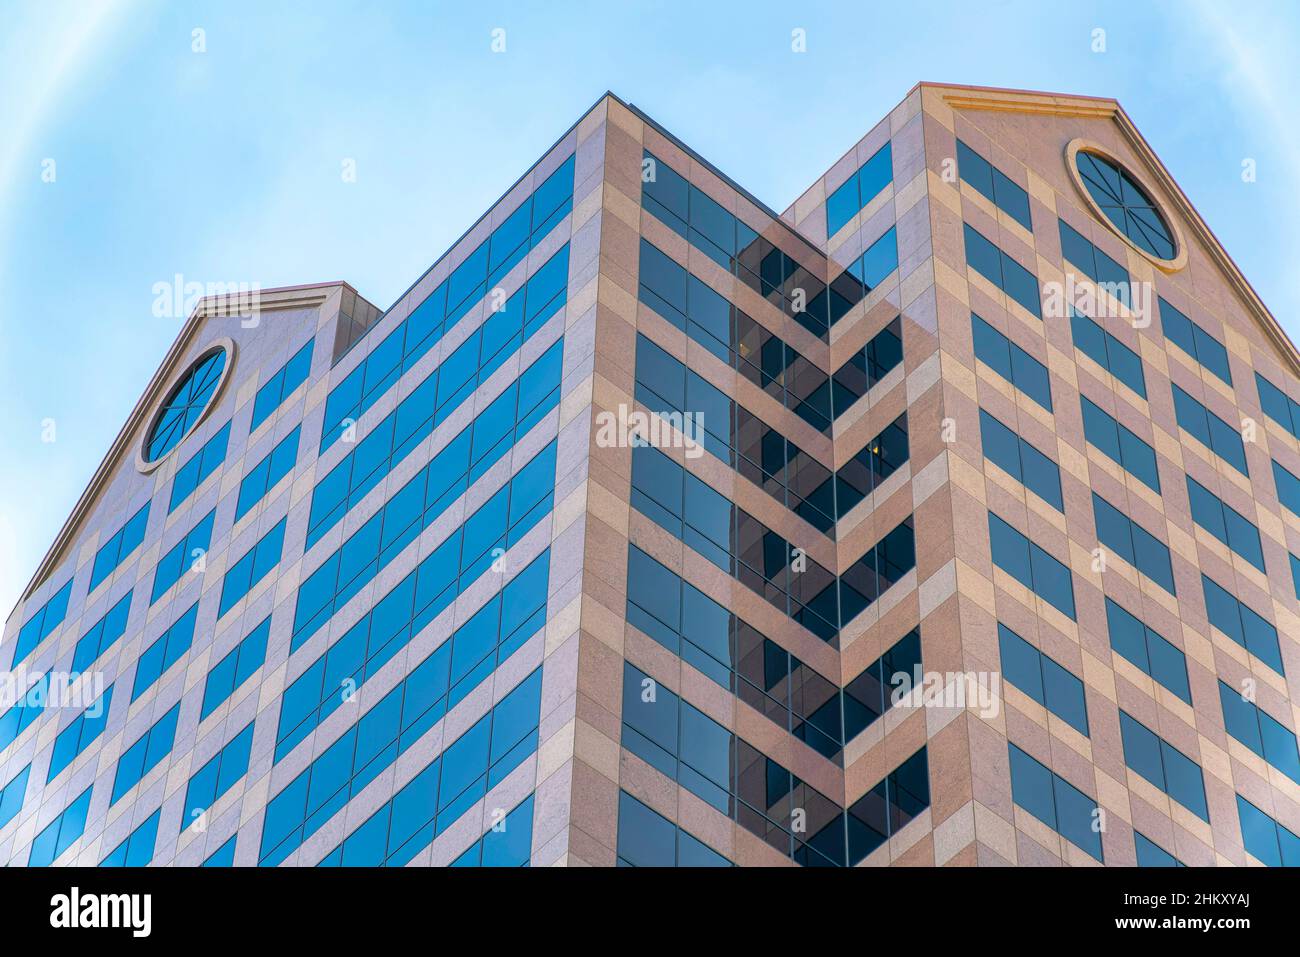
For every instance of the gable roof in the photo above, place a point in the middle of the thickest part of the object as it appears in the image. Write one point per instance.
(269, 300)
(1030, 102)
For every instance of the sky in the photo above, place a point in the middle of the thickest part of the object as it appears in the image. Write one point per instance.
(145, 140)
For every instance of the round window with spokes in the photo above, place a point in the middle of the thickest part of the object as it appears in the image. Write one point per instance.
(185, 405)
(1120, 199)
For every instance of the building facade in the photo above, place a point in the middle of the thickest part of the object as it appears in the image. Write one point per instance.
(948, 518)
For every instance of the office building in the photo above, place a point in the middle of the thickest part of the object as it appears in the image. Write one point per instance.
(950, 517)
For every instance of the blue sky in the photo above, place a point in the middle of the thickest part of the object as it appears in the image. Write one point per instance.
(225, 165)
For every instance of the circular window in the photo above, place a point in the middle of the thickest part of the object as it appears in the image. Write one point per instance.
(1126, 205)
(185, 405)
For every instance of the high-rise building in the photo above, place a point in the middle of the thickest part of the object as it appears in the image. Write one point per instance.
(950, 517)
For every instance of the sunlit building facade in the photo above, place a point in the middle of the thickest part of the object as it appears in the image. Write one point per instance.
(950, 517)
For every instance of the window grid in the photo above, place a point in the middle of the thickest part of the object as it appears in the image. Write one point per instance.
(281, 385)
(239, 664)
(1108, 352)
(252, 567)
(1001, 269)
(867, 182)
(439, 484)
(172, 566)
(1210, 430)
(119, 547)
(199, 466)
(441, 393)
(443, 308)
(267, 473)
(1055, 801)
(994, 185)
(167, 649)
(1029, 564)
(1195, 341)
(1119, 444)
(1011, 362)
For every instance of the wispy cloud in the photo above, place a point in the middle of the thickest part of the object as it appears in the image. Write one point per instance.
(50, 46)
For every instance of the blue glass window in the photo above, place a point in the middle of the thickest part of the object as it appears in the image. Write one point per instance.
(13, 794)
(143, 756)
(1021, 461)
(1038, 676)
(442, 308)
(185, 405)
(168, 649)
(27, 708)
(724, 771)
(648, 839)
(441, 393)
(1133, 543)
(1210, 430)
(199, 466)
(1195, 341)
(880, 356)
(78, 735)
(102, 635)
(994, 184)
(281, 385)
(61, 833)
(1288, 488)
(1265, 838)
(1030, 565)
(252, 567)
(480, 645)
(507, 844)
(1108, 352)
(1278, 406)
(859, 189)
(1163, 765)
(709, 523)
(1225, 523)
(763, 358)
(761, 673)
(1241, 624)
(235, 668)
(1150, 854)
(875, 264)
(181, 556)
(266, 474)
(1055, 801)
(435, 798)
(757, 262)
(760, 453)
(1261, 732)
(137, 850)
(217, 775)
(435, 487)
(119, 547)
(1138, 643)
(463, 555)
(1096, 265)
(224, 856)
(1011, 362)
(999, 268)
(1120, 445)
(40, 625)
